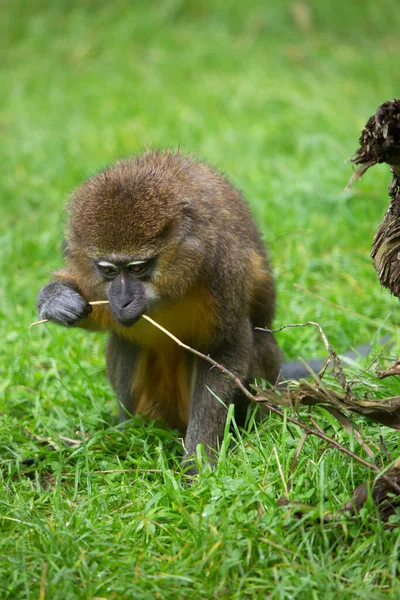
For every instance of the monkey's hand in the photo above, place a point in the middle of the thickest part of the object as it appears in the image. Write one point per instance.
(62, 304)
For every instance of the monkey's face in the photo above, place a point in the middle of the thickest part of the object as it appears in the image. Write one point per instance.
(129, 289)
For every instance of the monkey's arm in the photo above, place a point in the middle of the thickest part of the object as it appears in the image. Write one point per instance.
(122, 357)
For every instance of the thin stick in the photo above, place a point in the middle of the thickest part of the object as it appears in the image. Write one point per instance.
(94, 303)
(39, 322)
(334, 358)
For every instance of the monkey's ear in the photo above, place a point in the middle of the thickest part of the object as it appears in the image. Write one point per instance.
(182, 227)
(189, 209)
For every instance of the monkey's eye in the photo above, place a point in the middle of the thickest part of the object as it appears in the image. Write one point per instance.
(108, 269)
(136, 267)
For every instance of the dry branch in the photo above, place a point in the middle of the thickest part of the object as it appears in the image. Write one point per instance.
(391, 371)
(386, 412)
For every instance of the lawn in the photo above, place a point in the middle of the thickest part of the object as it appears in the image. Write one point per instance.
(275, 95)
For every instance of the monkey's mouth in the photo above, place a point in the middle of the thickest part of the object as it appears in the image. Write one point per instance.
(127, 321)
(129, 314)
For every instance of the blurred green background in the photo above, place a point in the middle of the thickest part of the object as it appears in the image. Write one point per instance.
(275, 94)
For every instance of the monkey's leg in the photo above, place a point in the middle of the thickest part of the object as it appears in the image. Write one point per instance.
(265, 363)
(207, 415)
(266, 357)
(122, 358)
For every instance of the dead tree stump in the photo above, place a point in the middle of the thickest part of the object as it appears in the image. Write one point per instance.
(380, 143)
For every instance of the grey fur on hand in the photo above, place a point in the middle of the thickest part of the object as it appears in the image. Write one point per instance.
(61, 304)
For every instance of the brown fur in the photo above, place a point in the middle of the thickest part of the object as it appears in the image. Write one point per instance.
(212, 281)
(162, 386)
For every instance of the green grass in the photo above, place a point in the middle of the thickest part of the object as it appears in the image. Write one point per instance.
(277, 102)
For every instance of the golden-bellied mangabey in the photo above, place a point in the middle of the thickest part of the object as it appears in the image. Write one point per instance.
(168, 236)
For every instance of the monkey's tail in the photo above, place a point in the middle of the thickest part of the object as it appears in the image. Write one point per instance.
(296, 370)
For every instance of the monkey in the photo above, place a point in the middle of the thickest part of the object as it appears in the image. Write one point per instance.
(166, 235)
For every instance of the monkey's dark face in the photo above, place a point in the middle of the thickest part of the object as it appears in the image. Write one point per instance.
(129, 287)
